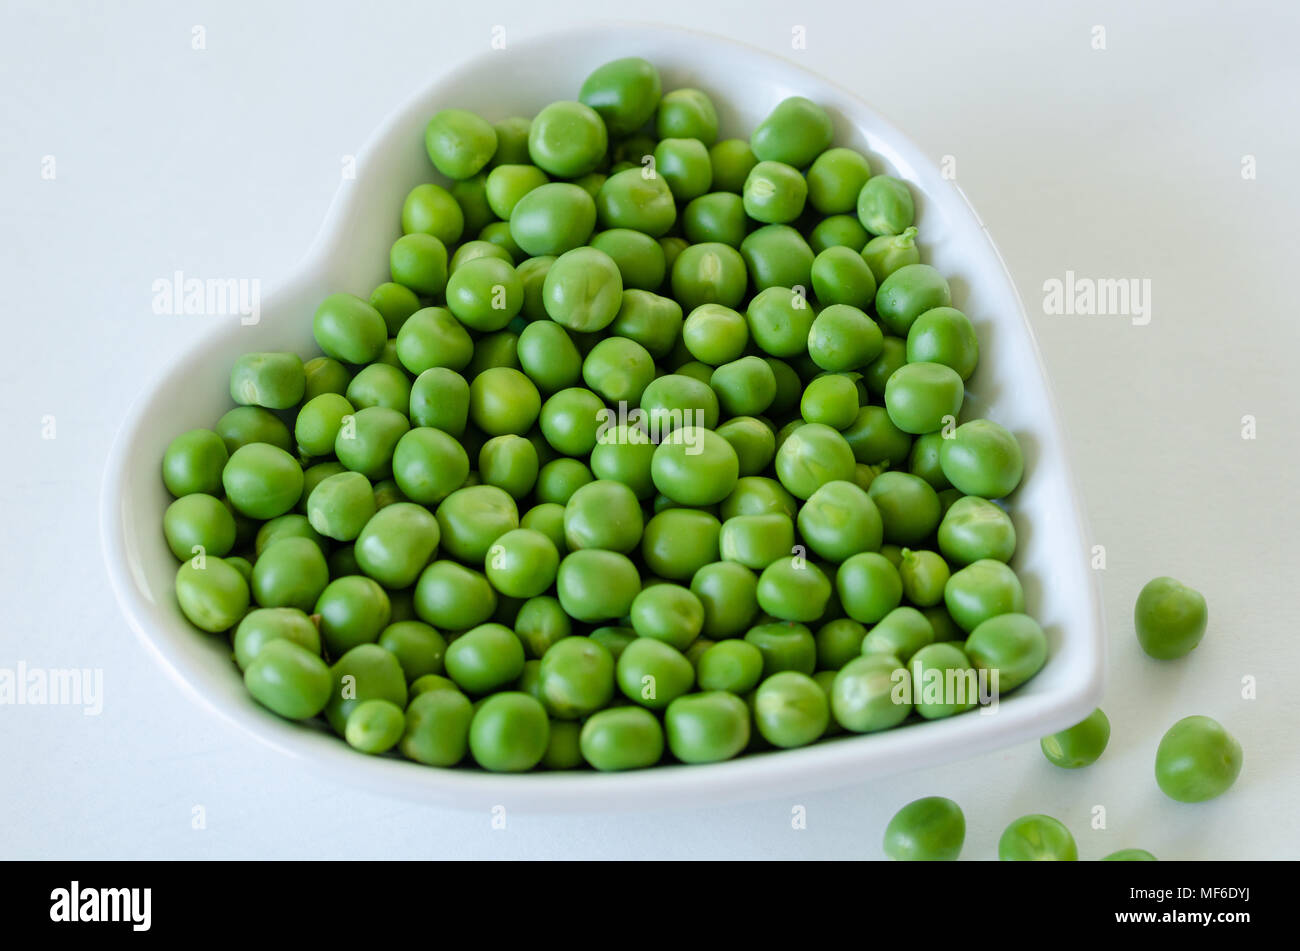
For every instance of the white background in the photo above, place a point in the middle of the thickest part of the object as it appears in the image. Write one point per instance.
(1115, 163)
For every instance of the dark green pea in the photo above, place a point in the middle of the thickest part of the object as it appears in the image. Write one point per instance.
(348, 328)
(1080, 745)
(840, 520)
(622, 738)
(868, 694)
(687, 114)
(262, 625)
(709, 273)
(577, 678)
(774, 193)
(552, 219)
(908, 293)
(838, 642)
(327, 375)
(834, 180)
(932, 829)
(923, 461)
(868, 587)
(779, 321)
(1169, 618)
(893, 354)
(262, 481)
(560, 478)
(597, 585)
(431, 209)
(289, 680)
(795, 132)
(1197, 760)
(418, 261)
(793, 589)
(652, 673)
(732, 160)
(944, 335)
(459, 143)
(452, 597)
(532, 275)
(678, 542)
(1037, 838)
(707, 727)
(437, 727)
(839, 231)
(900, 633)
(885, 205)
(512, 141)
(365, 444)
(909, 508)
(625, 92)
(784, 646)
(614, 639)
(540, 623)
(1011, 644)
(790, 709)
(718, 216)
(653, 321)
(753, 441)
(470, 195)
(943, 681)
(563, 749)
(418, 647)
(777, 256)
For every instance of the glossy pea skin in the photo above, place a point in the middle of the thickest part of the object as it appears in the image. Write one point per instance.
(437, 727)
(1080, 745)
(366, 441)
(624, 454)
(433, 337)
(943, 681)
(841, 276)
(353, 610)
(484, 658)
(885, 205)
(840, 520)
(729, 594)
(289, 680)
(718, 216)
(418, 647)
(290, 573)
(868, 587)
(397, 543)
(777, 255)
(863, 694)
(981, 590)
(908, 293)
(506, 184)
(429, 464)
(503, 401)
(774, 193)
(262, 481)
(793, 589)
(340, 505)
(900, 633)
(349, 329)
(640, 258)
(622, 738)
(709, 273)
(923, 397)
(1169, 618)
(576, 678)
(811, 456)
(583, 290)
(974, 528)
(695, 466)
(653, 673)
(597, 585)
(909, 507)
(707, 727)
(687, 114)
(485, 294)
(509, 733)
(549, 357)
(262, 625)
(552, 219)
(790, 709)
(625, 92)
(831, 399)
(375, 726)
(193, 463)
(795, 132)
(784, 646)
(567, 139)
(319, 421)
(982, 458)
(1013, 644)
(684, 164)
(932, 829)
(651, 320)
(756, 541)
(198, 521)
(715, 334)
(431, 209)
(1037, 838)
(618, 370)
(1197, 760)
(944, 335)
(839, 231)
(834, 180)
(473, 518)
(452, 597)
(459, 142)
(842, 338)
(669, 613)
(732, 665)
(629, 199)
(510, 463)
(213, 597)
(419, 261)
(744, 387)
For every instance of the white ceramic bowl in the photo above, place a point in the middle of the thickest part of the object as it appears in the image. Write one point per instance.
(351, 254)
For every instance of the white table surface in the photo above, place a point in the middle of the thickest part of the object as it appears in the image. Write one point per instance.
(1117, 163)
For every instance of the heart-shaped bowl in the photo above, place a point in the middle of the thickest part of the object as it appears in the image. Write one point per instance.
(351, 254)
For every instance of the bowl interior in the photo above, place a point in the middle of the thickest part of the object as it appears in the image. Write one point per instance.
(351, 255)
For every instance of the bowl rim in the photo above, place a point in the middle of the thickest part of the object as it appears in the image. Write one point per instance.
(818, 766)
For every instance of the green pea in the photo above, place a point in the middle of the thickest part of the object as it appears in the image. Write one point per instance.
(784, 646)
(795, 132)
(198, 523)
(715, 334)
(571, 420)
(718, 216)
(193, 463)
(728, 592)
(868, 587)
(603, 514)
(262, 625)
(790, 709)
(668, 613)
(639, 257)
(774, 193)
(653, 321)
(418, 647)
(503, 400)
(944, 335)
(429, 465)
(973, 529)
(348, 328)
(288, 680)
(909, 508)
(367, 439)
(459, 143)
(577, 678)
(1197, 760)
(522, 563)
(753, 440)
(757, 541)
(552, 219)
(470, 195)
(1011, 644)
(684, 164)
(625, 92)
(867, 694)
(559, 479)
(676, 400)
(876, 374)
(340, 505)
(793, 589)
(433, 337)
(831, 400)
(834, 180)
(708, 273)
(375, 726)
(273, 380)
(319, 422)
(614, 639)
(624, 454)
(731, 160)
(485, 294)
(707, 727)
(629, 199)
(839, 231)
(924, 575)
(777, 255)
(353, 610)
(813, 455)
(541, 622)
(779, 321)
(943, 681)
(618, 370)
(982, 590)
(291, 573)
(687, 114)
(510, 463)
(885, 205)
(475, 250)
(583, 290)
(452, 597)
(900, 633)
(1080, 745)
(418, 261)
(885, 254)
(431, 209)
(397, 543)
(695, 466)
(838, 642)
(732, 665)
(567, 139)
(473, 518)
(262, 481)
(840, 520)
(1169, 617)
(923, 397)
(1037, 838)
(653, 673)
(909, 292)
(1130, 855)
(437, 727)
(932, 829)
(506, 184)
(744, 387)
(484, 658)
(841, 276)
(597, 585)
(622, 738)
(366, 672)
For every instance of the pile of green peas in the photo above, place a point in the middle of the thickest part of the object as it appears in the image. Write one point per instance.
(647, 452)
